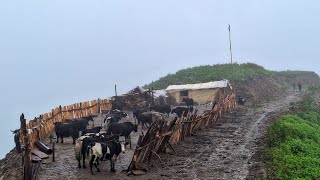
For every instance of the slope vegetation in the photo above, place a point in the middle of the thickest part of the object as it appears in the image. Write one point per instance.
(293, 142)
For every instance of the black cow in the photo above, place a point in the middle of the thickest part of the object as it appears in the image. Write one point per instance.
(166, 109)
(180, 110)
(17, 140)
(189, 102)
(106, 151)
(66, 130)
(93, 130)
(123, 129)
(118, 104)
(81, 123)
(137, 111)
(145, 118)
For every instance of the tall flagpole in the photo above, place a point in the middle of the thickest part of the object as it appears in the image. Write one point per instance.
(229, 28)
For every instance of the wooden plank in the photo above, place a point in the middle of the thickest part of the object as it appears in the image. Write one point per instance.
(39, 153)
(35, 159)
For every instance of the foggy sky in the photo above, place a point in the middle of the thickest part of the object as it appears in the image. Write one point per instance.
(60, 52)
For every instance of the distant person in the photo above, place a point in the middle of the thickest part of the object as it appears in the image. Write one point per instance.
(299, 86)
(294, 86)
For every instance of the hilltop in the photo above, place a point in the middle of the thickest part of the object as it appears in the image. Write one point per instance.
(234, 72)
(251, 81)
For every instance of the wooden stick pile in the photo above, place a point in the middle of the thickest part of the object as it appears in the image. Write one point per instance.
(162, 133)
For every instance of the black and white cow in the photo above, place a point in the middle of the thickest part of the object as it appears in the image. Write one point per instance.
(113, 116)
(106, 151)
(83, 142)
(123, 129)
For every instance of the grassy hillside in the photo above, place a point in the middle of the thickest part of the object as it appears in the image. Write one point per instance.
(293, 150)
(207, 73)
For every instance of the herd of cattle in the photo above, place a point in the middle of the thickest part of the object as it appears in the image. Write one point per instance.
(107, 141)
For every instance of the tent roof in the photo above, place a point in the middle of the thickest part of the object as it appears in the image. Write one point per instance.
(208, 85)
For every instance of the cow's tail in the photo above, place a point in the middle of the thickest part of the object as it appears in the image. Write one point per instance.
(77, 149)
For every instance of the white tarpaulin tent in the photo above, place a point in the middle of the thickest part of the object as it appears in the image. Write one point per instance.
(160, 92)
(208, 85)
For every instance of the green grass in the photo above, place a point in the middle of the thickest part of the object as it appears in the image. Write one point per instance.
(206, 73)
(293, 142)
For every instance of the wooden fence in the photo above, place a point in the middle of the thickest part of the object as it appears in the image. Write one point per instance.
(42, 126)
(163, 134)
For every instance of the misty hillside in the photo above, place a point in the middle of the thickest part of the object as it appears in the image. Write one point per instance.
(236, 72)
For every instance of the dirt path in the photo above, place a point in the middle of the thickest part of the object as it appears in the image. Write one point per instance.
(223, 151)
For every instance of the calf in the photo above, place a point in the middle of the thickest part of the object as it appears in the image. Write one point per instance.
(66, 130)
(180, 111)
(123, 129)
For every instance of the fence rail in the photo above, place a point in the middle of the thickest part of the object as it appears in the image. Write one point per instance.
(162, 133)
(42, 126)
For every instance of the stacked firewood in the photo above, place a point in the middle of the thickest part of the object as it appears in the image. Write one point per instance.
(136, 99)
(163, 134)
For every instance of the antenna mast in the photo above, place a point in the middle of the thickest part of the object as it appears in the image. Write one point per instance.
(229, 28)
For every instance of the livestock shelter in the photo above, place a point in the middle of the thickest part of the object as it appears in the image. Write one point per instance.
(201, 93)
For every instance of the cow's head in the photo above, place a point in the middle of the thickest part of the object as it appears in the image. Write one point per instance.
(121, 141)
(15, 131)
(123, 114)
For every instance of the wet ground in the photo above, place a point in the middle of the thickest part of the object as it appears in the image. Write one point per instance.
(225, 150)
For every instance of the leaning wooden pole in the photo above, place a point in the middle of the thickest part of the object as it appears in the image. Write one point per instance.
(27, 173)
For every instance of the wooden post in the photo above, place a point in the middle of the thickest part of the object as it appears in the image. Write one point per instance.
(81, 110)
(61, 117)
(152, 96)
(115, 90)
(53, 151)
(99, 106)
(27, 173)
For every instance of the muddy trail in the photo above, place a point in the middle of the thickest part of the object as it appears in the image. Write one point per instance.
(226, 150)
